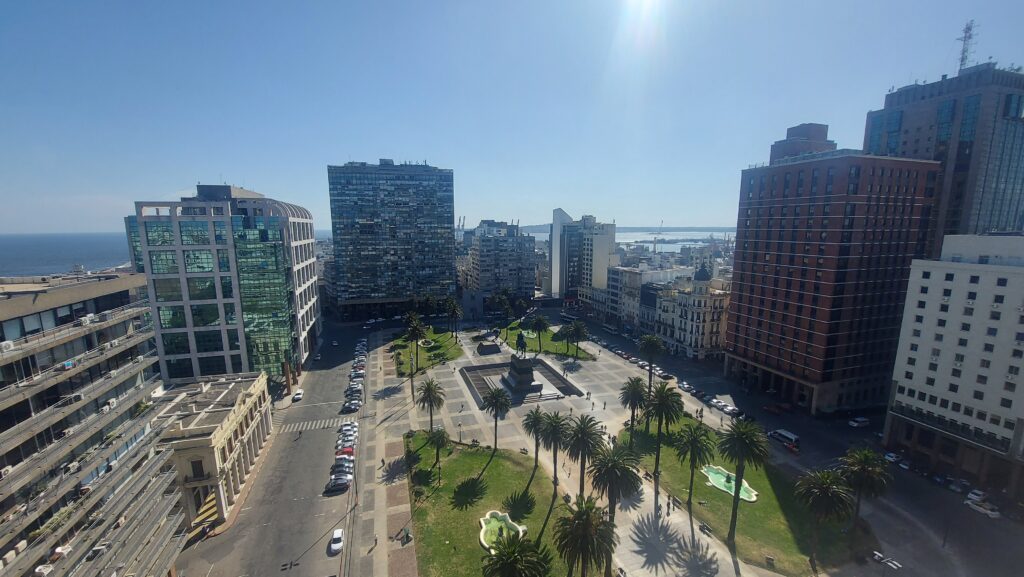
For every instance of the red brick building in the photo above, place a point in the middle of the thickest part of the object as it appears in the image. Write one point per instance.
(824, 241)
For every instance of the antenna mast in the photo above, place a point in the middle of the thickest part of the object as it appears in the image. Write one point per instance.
(968, 44)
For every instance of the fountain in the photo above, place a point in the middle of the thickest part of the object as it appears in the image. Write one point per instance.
(494, 525)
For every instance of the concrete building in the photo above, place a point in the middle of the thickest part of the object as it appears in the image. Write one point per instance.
(955, 404)
(823, 249)
(500, 258)
(972, 123)
(394, 236)
(622, 306)
(83, 486)
(581, 252)
(219, 426)
(232, 276)
(691, 315)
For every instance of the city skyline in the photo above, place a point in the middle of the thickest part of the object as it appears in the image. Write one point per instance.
(643, 97)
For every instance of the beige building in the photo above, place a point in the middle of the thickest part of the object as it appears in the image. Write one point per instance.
(221, 426)
(691, 315)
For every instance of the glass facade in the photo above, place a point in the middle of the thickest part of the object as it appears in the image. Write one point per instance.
(194, 232)
(220, 231)
(131, 225)
(198, 261)
(201, 288)
(167, 289)
(209, 342)
(159, 233)
(176, 344)
(171, 317)
(205, 315)
(163, 262)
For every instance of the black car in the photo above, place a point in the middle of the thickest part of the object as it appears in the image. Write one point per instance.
(349, 408)
(697, 393)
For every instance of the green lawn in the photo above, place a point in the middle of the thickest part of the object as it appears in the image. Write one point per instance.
(775, 525)
(551, 343)
(446, 518)
(445, 347)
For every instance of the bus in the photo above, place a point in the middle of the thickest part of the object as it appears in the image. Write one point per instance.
(610, 329)
(568, 317)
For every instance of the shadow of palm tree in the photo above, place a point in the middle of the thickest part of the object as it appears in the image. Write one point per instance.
(697, 560)
(551, 507)
(658, 543)
(519, 505)
(468, 492)
(487, 464)
(397, 469)
(388, 392)
(633, 501)
(423, 477)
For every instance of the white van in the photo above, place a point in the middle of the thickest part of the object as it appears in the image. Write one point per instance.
(785, 437)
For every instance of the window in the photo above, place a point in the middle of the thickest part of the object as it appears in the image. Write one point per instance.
(1018, 354)
(955, 407)
(953, 387)
(1008, 424)
(918, 319)
(924, 290)
(911, 361)
(968, 411)
(171, 317)
(917, 333)
(1010, 387)
(194, 232)
(906, 375)
(920, 304)
(1000, 282)
(926, 274)
(994, 316)
(947, 292)
(1005, 403)
(197, 469)
(968, 311)
(974, 279)
(163, 262)
(991, 331)
(961, 342)
(938, 337)
(941, 322)
(223, 260)
(159, 233)
(985, 363)
(198, 261)
(944, 308)
(972, 296)
(220, 232)
(226, 288)
(229, 313)
(201, 288)
(999, 299)
(958, 358)
(949, 276)
(167, 289)
(955, 372)
(179, 368)
(212, 366)
(981, 380)
(933, 366)
(233, 340)
(209, 342)
(965, 326)
(205, 315)
(979, 395)
(175, 343)
(913, 346)
(1013, 370)
(943, 403)
(989, 348)
(982, 415)
(930, 381)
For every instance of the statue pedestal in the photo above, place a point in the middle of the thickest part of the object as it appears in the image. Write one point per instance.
(520, 375)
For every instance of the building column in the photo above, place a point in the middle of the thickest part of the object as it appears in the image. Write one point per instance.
(250, 450)
(246, 459)
(229, 489)
(236, 478)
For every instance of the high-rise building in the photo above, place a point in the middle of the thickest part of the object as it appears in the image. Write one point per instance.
(232, 281)
(973, 123)
(581, 252)
(824, 242)
(956, 405)
(84, 487)
(500, 259)
(394, 236)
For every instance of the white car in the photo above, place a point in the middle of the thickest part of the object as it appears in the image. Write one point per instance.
(316, 357)
(297, 396)
(892, 457)
(334, 343)
(858, 422)
(977, 495)
(984, 508)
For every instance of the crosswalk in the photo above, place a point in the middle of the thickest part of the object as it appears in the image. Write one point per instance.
(332, 423)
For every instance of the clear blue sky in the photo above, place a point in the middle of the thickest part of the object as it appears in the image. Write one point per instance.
(637, 111)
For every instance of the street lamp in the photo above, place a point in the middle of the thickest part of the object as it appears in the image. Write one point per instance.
(460, 432)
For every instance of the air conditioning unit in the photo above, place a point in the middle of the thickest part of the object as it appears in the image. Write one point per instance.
(6, 346)
(82, 322)
(6, 471)
(112, 373)
(105, 347)
(112, 403)
(935, 358)
(114, 343)
(106, 315)
(995, 305)
(958, 364)
(91, 317)
(139, 359)
(945, 299)
(105, 409)
(970, 302)
(1011, 377)
(66, 365)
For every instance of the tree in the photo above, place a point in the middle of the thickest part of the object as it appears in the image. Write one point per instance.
(415, 333)
(520, 307)
(583, 536)
(827, 497)
(454, 312)
(579, 333)
(429, 305)
(867, 473)
(430, 396)
(613, 473)
(584, 439)
(410, 318)
(565, 333)
(666, 405)
(554, 432)
(499, 303)
(743, 443)
(696, 445)
(438, 439)
(540, 325)
(650, 347)
(517, 556)
(497, 402)
(632, 396)
(506, 314)
(533, 424)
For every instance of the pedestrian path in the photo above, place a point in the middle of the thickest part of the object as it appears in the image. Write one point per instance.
(310, 425)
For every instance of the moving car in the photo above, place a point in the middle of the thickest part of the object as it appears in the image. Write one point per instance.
(892, 457)
(297, 396)
(977, 495)
(984, 508)
(858, 422)
(337, 541)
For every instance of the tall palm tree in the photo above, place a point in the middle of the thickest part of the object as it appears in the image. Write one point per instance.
(584, 439)
(540, 325)
(583, 536)
(430, 396)
(554, 432)
(517, 556)
(507, 313)
(497, 402)
(867, 473)
(696, 445)
(410, 318)
(666, 406)
(438, 439)
(650, 347)
(744, 444)
(499, 303)
(565, 333)
(520, 307)
(579, 333)
(533, 424)
(613, 473)
(826, 496)
(453, 311)
(416, 332)
(632, 396)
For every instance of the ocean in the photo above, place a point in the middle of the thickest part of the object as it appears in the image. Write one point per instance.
(684, 238)
(39, 254)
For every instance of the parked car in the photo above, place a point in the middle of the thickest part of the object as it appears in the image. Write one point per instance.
(977, 495)
(634, 360)
(297, 396)
(685, 387)
(337, 541)
(334, 486)
(983, 507)
(858, 422)
(892, 457)
(316, 357)
(904, 464)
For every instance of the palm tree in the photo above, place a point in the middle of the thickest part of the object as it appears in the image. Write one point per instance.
(696, 445)
(540, 325)
(520, 307)
(827, 497)
(583, 536)
(497, 402)
(565, 333)
(584, 439)
(867, 473)
(430, 396)
(613, 473)
(579, 333)
(743, 443)
(452, 310)
(499, 303)
(517, 556)
(632, 396)
(416, 332)
(554, 432)
(438, 439)
(650, 347)
(666, 405)
(410, 318)
(533, 424)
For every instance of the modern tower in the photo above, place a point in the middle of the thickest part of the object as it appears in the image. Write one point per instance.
(581, 252)
(824, 240)
(394, 236)
(232, 281)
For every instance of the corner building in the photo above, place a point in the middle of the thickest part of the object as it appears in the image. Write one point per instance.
(394, 236)
(824, 241)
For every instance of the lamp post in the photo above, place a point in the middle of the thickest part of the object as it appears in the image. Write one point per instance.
(460, 432)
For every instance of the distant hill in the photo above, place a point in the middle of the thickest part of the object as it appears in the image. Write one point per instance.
(547, 227)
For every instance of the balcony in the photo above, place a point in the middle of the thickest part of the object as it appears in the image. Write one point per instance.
(959, 430)
(25, 388)
(195, 481)
(59, 335)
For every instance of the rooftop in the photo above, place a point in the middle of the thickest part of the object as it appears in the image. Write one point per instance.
(15, 286)
(201, 405)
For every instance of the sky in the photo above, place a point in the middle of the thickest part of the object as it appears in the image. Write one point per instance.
(635, 111)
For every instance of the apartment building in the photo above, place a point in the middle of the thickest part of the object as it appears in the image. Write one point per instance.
(501, 258)
(955, 403)
(581, 252)
(690, 315)
(232, 279)
(83, 485)
(622, 307)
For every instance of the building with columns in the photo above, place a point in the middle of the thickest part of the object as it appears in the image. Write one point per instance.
(221, 424)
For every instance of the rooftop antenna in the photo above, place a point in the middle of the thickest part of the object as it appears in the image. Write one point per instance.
(967, 46)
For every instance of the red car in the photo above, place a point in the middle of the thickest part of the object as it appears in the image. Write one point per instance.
(344, 451)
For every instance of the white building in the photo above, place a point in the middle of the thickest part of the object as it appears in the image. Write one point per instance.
(622, 308)
(581, 252)
(955, 404)
(691, 316)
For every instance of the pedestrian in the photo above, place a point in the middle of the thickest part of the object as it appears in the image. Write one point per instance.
(382, 463)
(375, 540)
(591, 406)
(604, 406)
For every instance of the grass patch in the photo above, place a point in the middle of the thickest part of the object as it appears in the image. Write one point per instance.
(445, 347)
(446, 517)
(776, 525)
(551, 343)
